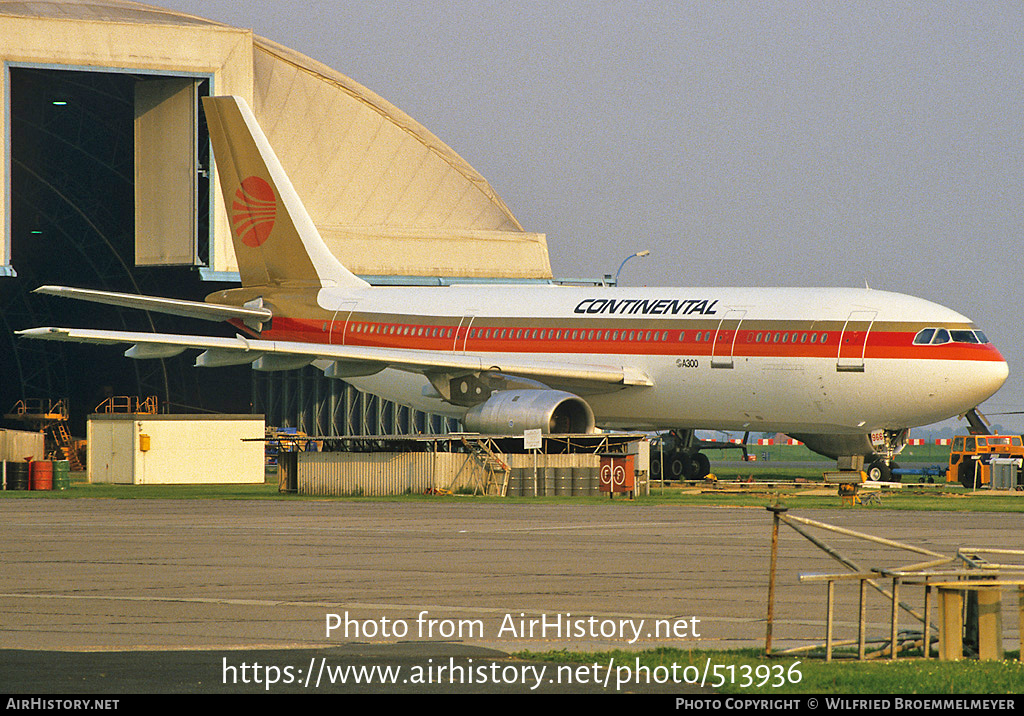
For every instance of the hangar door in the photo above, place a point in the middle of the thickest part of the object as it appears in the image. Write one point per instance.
(166, 172)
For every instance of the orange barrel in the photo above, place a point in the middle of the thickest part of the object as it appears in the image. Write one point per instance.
(17, 475)
(61, 474)
(40, 474)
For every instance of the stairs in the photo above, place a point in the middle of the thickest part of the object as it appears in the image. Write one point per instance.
(65, 443)
(483, 451)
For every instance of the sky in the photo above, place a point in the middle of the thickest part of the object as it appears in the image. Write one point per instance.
(742, 144)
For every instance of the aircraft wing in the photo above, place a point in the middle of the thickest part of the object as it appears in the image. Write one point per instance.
(175, 307)
(279, 355)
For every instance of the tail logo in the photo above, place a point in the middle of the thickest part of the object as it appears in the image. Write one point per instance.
(253, 211)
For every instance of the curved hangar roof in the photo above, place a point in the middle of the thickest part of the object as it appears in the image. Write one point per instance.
(389, 197)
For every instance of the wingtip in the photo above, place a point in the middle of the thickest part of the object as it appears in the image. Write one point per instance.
(42, 332)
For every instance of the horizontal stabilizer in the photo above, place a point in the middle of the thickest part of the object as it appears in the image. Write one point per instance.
(251, 315)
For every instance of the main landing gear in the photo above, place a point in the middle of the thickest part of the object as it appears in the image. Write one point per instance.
(676, 455)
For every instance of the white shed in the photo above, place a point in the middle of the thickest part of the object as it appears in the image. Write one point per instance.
(135, 449)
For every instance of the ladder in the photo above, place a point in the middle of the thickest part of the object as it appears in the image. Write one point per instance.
(485, 454)
(64, 441)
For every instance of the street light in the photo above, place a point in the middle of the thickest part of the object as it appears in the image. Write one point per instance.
(645, 252)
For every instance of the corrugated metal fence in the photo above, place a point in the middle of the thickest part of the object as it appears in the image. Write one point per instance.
(16, 445)
(379, 474)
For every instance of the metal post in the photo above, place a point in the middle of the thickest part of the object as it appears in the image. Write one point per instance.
(775, 510)
(895, 615)
(828, 621)
(1020, 621)
(927, 625)
(861, 626)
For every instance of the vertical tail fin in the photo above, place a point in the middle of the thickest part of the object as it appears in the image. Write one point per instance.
(275, 240)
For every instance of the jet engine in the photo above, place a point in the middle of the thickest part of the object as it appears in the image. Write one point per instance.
(510, 412)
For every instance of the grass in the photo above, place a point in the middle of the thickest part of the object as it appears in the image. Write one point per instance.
(809, 494)
(749, 671)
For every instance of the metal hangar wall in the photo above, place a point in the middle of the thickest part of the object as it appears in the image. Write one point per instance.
(108, 184)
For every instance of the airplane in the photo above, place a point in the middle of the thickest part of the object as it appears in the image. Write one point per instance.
(845, 370)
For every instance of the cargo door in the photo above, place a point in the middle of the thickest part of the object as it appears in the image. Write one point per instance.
(853, 341)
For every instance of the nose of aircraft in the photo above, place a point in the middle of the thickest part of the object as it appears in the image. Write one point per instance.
(984, 378)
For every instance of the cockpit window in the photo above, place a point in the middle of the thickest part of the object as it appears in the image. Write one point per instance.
(939, 336)
(964, 337)
(924, 336)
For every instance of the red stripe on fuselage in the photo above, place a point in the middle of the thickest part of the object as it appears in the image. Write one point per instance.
(744, 343)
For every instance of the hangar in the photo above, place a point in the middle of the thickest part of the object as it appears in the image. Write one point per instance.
(108, 183)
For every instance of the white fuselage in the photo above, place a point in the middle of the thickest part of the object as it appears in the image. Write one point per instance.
(787, 359)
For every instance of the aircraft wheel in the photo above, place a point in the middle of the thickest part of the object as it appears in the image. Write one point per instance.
(879, 472)
(701, 466)
(680, 467)
(656, 469)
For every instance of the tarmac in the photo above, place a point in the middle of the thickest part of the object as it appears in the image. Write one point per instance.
(183, 596)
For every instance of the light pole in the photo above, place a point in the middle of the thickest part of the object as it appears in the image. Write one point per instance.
(645, 252)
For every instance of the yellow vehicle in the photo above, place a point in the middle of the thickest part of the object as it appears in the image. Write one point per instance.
(970, 455)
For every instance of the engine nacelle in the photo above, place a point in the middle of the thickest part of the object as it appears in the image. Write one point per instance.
(510, 412)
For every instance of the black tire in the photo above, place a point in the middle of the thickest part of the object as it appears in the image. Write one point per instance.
(878, 471)
(680, 467)
(701, 466)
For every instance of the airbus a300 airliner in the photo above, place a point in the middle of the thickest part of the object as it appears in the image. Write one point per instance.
(847, 371)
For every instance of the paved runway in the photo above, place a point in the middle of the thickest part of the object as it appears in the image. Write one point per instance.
(220, 576)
